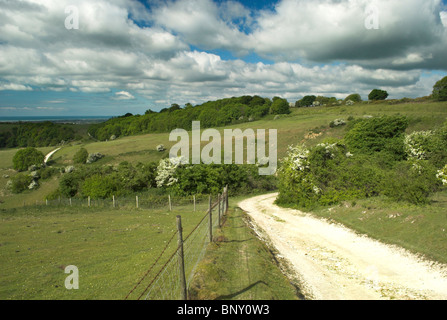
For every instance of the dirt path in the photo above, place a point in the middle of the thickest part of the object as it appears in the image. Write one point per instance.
(48, 156)
(334, 263)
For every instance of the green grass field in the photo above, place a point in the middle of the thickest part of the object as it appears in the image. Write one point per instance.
(111, 248)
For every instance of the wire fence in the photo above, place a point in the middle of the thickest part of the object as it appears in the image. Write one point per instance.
(142, 201)
(173, 278)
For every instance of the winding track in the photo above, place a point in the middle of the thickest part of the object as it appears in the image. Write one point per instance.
(48, 156)
(334, 263)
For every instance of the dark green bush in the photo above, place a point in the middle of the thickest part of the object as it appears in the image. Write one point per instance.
(80, 156)
(20, 182)
(99, 187)
(280, 106)
(412, 182)
(48, 172)
(378, 94)
(24, 158)
(383, 134)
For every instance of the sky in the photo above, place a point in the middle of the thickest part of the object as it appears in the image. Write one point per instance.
(111, 57)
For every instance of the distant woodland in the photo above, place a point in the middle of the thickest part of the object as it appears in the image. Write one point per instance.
(210, 114)
(39, 134)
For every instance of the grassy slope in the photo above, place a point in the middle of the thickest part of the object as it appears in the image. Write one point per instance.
(292, 129)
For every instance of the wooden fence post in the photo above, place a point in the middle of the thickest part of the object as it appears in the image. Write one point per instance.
(88, 201)
(194, 203)
(211, 220)
(113, 199)
(70, 202)
(226, 198)
(137, 202)
(181, 259)
(219, 208)
(224, 207)
(170, 204)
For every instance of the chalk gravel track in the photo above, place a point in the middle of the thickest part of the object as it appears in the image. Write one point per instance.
(48, 156)
(332, 262)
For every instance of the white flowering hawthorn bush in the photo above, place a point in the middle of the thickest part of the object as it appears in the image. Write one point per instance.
(166, 171)
(442, 175)
(319, 175)
(417, 144)
(295, 178)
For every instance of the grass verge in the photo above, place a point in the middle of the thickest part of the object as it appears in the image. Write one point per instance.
(239, 266)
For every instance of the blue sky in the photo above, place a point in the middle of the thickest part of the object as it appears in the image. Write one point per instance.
(129, 56)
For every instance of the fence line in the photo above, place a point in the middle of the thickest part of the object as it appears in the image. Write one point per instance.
(174, 277)
(139, 201)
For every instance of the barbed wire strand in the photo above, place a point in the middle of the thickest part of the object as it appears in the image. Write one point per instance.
(152, 266)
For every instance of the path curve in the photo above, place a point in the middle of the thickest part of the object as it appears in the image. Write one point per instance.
(333, 262)
(48, 156)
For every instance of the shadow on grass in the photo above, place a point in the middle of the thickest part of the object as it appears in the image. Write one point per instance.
(233, 295)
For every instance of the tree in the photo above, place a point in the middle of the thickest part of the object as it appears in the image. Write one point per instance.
(355, 97)
(280, 106)
(81, 156)
(174, 107)
(378, 94)
(27, 157)
(307, 101)
(440, 90)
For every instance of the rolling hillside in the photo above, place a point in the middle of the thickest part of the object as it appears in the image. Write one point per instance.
(303, 125)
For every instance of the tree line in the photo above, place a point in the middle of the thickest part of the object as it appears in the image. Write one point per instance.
(36, 134)
(210, 114)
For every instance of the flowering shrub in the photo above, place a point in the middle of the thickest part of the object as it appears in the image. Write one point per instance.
(297, 156)
(166, 171)
(329, 149)
(442, 175)
(325, 174)
(417, 144)
(383, 162)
